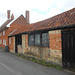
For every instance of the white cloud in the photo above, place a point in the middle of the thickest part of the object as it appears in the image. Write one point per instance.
(50, 7)
(65, 4)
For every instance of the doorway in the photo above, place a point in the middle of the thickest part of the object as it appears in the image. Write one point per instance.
(18, 41)
(68, 48)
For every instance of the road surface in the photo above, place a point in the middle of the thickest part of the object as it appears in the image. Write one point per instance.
(12, 65)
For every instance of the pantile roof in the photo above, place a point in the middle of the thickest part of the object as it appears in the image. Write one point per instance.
(62, 19)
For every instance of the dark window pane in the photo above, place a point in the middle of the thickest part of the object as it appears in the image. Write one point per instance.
(45, 39)
(31, 40)
(37, 39)
(19, 37)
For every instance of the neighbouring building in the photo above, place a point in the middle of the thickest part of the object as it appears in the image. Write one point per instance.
(10, 25)
(51, 39)
(4, 30)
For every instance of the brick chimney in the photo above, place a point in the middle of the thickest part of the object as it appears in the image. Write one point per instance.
(27, 17)
(12, 17)
(8, 14)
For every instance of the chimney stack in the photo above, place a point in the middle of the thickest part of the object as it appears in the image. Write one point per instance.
(27, 17)
(8, 14)
(12, 17)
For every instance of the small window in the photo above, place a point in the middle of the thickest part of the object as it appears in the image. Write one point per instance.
(9, 40)
(40, 39)
(45, 39)
(0, 41)
(3, 32)
(37, 39)
(19, 39)
(31, 40)
(0, 33)
(4, 42)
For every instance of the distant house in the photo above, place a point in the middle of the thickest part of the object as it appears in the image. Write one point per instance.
(10, 26)
(51, 39)
(4, 30)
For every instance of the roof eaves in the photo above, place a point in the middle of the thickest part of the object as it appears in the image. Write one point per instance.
(49, 29)
(12, 32)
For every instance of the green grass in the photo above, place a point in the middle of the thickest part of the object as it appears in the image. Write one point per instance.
(42, 61)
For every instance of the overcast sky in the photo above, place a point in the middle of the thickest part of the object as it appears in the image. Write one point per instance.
(39, 9)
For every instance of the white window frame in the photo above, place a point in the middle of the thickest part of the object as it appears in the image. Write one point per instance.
(3, 32)
(0, 41)
(4, 42)
(9, 40)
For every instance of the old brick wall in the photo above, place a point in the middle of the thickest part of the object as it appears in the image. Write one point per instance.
(4, 37)
(12, 45)
(55, 44)
(53, 53)
(20, 21)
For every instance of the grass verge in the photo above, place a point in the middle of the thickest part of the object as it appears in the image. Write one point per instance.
(42, 61)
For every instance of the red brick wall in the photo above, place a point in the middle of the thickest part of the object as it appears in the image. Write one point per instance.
(4, 37)
(11, 47)
(20, 21)
(55, 40)
(26, 40)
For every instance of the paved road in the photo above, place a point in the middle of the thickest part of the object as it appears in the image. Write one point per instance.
(12, 65)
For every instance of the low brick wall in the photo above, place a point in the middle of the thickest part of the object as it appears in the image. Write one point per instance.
(12, 45)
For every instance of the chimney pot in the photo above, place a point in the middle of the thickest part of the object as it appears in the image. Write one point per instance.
(8, 14)
(12, 17)
(27, 17)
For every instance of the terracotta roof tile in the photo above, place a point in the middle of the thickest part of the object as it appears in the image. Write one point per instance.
(62, 19)
(19, 22)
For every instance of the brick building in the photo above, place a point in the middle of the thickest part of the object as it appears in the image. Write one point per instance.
(4, 30)
(10, 25)
(51, 39)
(48, 39)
